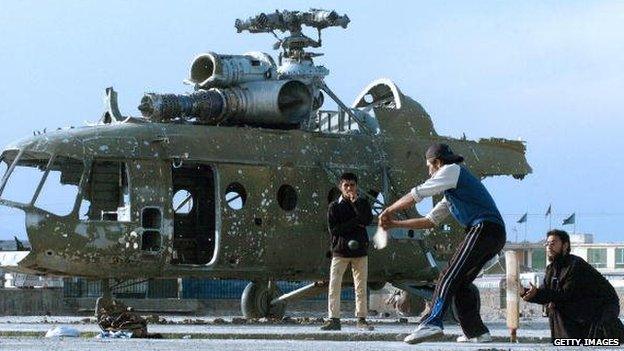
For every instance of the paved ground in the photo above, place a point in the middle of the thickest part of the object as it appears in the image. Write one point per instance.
(264, 345)
(385, 329)
(192, 333)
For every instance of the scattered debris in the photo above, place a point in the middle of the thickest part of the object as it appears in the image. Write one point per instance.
(405, 303)
(121, 334)
(114, 316)
(127, 321)
(62, 331)
(238, 320)
(193, 321)
(153, 318)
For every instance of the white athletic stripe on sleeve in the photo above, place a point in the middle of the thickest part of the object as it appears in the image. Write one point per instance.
(439, 212)
(445, 178)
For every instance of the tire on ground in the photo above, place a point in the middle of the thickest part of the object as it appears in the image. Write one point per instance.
(256, 301)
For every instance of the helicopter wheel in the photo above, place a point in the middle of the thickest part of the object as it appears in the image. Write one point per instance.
(256, 301)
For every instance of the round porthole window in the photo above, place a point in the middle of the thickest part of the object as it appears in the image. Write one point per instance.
(182, 201)
(235, 196)
(287, 197)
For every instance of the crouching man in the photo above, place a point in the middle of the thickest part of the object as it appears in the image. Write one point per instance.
(579, 301)
(347, 219)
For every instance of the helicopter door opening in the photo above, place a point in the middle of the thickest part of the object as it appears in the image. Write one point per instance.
(194, 214)
(106, 196)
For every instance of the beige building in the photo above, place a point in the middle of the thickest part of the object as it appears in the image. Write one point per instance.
(608, 258)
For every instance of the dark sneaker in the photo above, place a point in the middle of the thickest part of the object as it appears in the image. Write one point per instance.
(362, 324)
(331, 324)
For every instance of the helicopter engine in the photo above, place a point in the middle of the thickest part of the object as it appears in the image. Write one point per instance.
(235, 89)
(251, 89)
(276, 102)
(213, 70)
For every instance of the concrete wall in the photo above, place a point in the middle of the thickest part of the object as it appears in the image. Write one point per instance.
(32, 302)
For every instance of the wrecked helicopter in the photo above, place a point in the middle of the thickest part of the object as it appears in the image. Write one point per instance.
(233, 180)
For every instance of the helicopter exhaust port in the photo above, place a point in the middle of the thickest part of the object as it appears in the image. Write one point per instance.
(283, 102)
(213, 70)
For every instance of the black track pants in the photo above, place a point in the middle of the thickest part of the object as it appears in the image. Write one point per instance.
(481, 243)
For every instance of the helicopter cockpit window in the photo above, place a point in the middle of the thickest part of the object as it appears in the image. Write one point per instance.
(27, 173)
(60, 187)
(235, 196)
(106, 195)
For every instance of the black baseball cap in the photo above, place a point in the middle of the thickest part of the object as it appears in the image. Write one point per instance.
(443, 152)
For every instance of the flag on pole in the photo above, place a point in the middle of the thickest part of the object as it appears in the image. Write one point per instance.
(523, 218)
(569, 220)
(548, 211)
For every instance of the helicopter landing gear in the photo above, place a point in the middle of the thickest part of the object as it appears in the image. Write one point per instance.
(257, 300)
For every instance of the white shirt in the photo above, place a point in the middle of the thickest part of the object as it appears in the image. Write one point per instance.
(444, 179)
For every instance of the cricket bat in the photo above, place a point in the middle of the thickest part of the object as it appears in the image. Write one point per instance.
(380, 239)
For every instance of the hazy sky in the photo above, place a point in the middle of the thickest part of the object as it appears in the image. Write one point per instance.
(550, 73)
